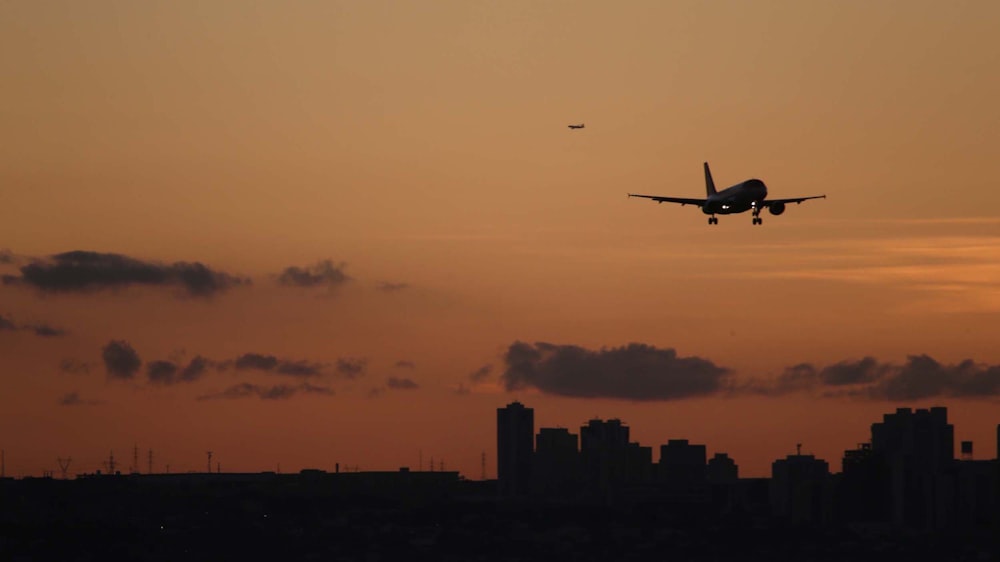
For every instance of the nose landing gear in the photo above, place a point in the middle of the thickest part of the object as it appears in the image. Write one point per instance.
(756, 213)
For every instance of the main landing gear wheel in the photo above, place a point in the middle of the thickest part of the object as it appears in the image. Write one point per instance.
(713, 220)
(758, 220)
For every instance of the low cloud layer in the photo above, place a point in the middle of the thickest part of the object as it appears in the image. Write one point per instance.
(74, 399)
(389, 287)
(272, 364)
(82, 271)
(275, 392)
(168, 372)
(42, 330)
(322, 274)
(120, 360)
(643, 372)
(632, 372)
(74, 366)
(920, 377)
(398, 383)
(481, 374)
(351, 367)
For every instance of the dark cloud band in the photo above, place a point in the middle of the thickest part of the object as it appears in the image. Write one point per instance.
(81, 271)
(633, 372)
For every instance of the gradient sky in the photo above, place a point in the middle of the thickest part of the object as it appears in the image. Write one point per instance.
(422, 148)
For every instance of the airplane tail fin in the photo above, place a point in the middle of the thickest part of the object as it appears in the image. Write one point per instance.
(709, 184)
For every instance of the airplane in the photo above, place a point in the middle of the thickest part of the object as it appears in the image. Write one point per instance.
(580, 126)
(749, 195)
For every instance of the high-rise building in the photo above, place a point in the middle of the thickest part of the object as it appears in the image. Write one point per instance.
(515, 434)
(557, 462)
(722, 470)
(917, 449)
(682, 467)
(603, 453)
(798, 488)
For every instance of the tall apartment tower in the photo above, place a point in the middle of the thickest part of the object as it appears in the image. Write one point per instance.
(917, 449)
(515, 440)
(604, 453)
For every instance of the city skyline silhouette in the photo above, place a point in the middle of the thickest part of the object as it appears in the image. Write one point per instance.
(340, 235)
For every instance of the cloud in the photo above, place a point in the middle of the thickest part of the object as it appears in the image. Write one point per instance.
(633, 372)
(403, 364)
(73, 399)
(6, 256)
(481, 374)
(256, 361)
(161, 372)
(463, 390)
(323, 273)
(74, 366)
(924, 377)
(43, 330)
(920, 377)
(276, 392)
(81, 271)
(195, 369)
(351, 367)
(401, 383)
(46, 331)
(387, 287)
(120, 360)
(272, 364)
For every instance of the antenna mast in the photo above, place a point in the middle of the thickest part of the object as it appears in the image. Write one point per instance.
(209, 453)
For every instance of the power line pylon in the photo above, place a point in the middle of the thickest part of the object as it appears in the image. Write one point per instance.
(209, 453)
(64, 465)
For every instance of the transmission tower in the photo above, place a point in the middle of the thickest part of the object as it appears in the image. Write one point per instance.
(3, 464)
(111, 463)
(135, 459)
(150, 466)
(64, 465)
(209, 453)
(483, 476)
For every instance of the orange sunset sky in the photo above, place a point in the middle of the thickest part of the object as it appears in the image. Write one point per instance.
(401, 234)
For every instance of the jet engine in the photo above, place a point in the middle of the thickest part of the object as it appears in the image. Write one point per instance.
(776, 208)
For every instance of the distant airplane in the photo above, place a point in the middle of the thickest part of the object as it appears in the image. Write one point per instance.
(750, 195)
(580, 126)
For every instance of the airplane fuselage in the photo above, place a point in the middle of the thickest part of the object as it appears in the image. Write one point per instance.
(736, 199)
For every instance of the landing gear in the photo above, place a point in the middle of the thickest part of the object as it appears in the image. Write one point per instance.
(713, 220)
(756, 213)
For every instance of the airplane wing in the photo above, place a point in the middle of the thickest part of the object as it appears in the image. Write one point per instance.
(681, 200)
(769, 202)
